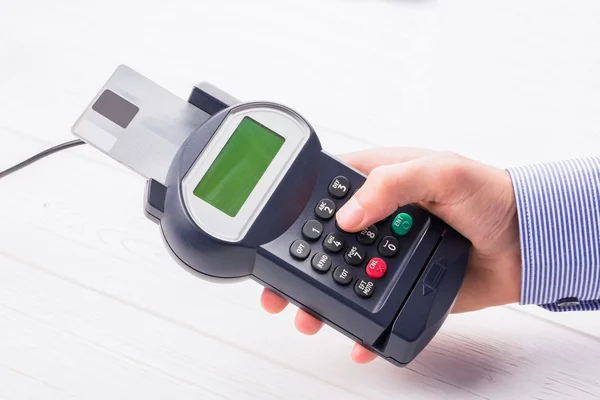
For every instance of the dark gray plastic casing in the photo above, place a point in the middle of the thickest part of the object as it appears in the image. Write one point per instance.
(396, 323)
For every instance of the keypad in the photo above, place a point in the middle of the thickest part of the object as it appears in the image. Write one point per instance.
(356, 262)
(325, 209)
(312, 230)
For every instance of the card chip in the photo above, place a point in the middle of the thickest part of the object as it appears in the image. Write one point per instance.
(112, 106)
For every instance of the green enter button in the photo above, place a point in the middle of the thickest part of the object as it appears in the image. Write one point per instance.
(402, 224)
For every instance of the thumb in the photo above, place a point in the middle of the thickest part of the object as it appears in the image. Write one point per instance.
(389, 187)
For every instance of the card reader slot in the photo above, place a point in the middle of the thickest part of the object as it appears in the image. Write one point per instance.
(210, 99)
(154, 202)
(381, 342)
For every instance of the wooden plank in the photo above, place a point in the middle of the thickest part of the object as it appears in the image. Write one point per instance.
(85, 343)
(585, 322)
(403, 73)
(79, 343)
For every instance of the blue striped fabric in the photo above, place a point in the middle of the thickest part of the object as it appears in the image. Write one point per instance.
(559, 221)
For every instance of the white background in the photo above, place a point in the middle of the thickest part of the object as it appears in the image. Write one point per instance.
(92, 307)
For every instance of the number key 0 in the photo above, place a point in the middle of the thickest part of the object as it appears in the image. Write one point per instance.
(388, 247)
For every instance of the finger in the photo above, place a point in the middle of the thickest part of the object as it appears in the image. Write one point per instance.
(367, 160)
(272, 303)
(361, 355)
(387, 188)
(306, 323)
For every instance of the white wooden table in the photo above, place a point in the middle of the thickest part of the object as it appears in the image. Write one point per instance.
(92, 307)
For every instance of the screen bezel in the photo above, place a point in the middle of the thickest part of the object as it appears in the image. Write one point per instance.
(276, 118)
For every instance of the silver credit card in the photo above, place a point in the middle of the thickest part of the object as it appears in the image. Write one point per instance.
(138, 123)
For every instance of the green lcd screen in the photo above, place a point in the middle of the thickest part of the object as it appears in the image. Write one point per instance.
(239, 166)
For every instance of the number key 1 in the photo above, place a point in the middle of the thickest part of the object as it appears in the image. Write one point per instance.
(312, 230)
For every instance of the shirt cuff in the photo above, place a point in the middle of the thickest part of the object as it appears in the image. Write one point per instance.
(558, 207)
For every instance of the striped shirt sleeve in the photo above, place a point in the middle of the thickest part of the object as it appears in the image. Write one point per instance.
(558, 206)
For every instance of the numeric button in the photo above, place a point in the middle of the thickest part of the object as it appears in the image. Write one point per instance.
(355, 256)
(388, 247)
(333, 243)
(300, 250)
(339, 187)
(325, 209)
(312, 230)
(364, 288)
(342, 276)
(368, 235)
(321, 262)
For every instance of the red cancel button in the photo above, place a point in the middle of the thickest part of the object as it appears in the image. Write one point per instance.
(376, 268)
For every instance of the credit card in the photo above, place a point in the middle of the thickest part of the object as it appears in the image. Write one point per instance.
(138, 123)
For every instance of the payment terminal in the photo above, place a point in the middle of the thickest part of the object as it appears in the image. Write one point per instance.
(244, 190)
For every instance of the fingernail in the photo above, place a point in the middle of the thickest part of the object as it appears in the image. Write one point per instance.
(351, 214)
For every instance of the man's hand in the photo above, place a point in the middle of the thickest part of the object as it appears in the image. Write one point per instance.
(475, 199)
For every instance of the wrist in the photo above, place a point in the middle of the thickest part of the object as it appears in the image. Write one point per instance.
(512, 234)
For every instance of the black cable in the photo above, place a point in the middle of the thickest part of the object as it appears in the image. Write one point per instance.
(39, 156)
